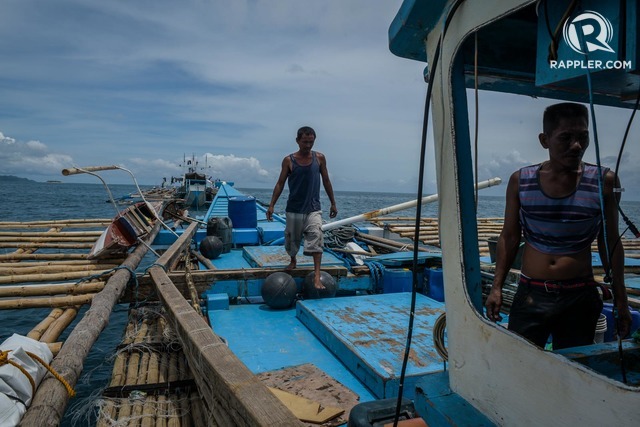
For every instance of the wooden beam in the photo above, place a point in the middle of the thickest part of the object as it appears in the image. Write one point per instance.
(233, 394)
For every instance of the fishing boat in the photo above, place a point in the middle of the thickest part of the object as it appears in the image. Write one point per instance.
(196, 188)
(385, 345)
(127, 228)
(377, 348)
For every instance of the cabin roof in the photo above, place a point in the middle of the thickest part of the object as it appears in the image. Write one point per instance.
(511, 51)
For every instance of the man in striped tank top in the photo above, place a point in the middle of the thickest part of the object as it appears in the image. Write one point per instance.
(560, 207)
(304, 170)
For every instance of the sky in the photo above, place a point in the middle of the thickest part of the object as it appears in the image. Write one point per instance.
(146, 84)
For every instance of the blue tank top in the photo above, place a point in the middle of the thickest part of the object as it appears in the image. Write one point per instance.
(561, 225)
(304, 186)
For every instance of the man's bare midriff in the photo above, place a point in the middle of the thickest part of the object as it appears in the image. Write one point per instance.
(538, 265)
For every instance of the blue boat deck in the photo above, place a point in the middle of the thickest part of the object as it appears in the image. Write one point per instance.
(359, 341)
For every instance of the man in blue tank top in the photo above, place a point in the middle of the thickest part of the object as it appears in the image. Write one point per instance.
(556, 207)
(304, 169)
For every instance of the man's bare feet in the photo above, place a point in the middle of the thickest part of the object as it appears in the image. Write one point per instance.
(318, 284)
(291, 266)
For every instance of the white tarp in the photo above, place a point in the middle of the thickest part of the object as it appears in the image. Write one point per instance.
(15, 388)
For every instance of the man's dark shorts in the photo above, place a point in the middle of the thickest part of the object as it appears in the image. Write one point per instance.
(568, 314)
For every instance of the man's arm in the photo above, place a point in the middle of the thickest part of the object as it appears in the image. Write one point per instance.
(507, 247)
(277, 190)
(326, 183)
(614, 263)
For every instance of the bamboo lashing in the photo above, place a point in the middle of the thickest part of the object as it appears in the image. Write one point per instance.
(193, 293)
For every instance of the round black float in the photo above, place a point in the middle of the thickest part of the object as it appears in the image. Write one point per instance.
(330, 287)
(279, 290)
(211, 247)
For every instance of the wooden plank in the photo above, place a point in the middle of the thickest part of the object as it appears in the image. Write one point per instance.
(232, 392)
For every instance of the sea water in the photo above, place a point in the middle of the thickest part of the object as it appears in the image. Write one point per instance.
(29, 201)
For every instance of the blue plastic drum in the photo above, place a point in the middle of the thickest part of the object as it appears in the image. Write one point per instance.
(242, 211)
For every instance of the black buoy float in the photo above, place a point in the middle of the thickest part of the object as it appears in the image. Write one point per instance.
(310, 291)
(279, 290)
(211, 247)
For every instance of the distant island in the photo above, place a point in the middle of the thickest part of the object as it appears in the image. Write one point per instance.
(11, 178)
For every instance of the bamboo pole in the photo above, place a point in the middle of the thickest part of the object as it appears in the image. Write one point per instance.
(69, 263)
(51, 397)
(119, 368)
(62, 245)
(149, 412)
(51, 289)
(55, 222)
(58, 326)
(85, 233)
(45, 302)
(52, 256)
(54, 347)
(37, 332)
(51, 239)
(44, 277)
(51, 269)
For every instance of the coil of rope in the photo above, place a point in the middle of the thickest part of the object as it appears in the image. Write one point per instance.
(438, 336)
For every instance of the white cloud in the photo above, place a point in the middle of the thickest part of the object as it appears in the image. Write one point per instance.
(30, 159)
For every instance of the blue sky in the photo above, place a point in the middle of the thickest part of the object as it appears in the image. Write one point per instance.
(141, 84)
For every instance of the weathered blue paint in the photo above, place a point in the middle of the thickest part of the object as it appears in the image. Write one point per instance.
(217, 302)
(368, 333)
(466, 189)
(265, 339)
(605, 359)
(439, 406)
(411, 25)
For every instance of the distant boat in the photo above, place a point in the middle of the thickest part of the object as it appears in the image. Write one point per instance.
(196, 189)
(53, 181)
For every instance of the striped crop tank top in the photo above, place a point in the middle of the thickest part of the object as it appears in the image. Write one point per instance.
(561, 225)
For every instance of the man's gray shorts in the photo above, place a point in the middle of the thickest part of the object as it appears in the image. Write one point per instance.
(308, 226)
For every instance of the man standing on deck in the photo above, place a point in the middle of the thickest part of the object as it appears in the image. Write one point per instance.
(557, 206)
(303, 170)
